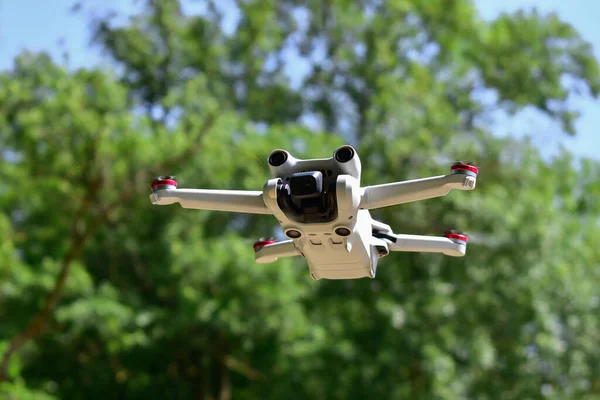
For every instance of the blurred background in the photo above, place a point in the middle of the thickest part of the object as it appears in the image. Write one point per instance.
(104, 296)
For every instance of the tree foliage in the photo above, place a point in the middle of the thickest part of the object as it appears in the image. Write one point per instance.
(105, 296)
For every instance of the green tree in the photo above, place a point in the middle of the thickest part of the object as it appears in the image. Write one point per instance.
(105, 296)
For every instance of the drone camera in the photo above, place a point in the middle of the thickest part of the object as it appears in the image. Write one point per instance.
(308, 197)
(306, 184)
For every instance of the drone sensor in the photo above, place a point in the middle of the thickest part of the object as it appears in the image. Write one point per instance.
(278, 158)
(343, 231)
(344, 154)
(293, 234)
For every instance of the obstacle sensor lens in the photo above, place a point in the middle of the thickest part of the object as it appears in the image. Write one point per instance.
(344, 154)
(293, 234)
(277, 158)
(342, 231)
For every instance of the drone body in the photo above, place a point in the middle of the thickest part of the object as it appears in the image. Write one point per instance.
(324, 212)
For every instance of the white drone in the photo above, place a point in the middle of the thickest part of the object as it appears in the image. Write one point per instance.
(324, 212)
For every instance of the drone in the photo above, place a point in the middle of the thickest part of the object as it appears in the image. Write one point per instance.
(324, 212)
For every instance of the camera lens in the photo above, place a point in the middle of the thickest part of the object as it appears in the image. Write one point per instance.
(303, 185)
(278, 158)
(344, 154)
(306, 184)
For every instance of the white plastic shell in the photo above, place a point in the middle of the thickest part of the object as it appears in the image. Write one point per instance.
(330, 255)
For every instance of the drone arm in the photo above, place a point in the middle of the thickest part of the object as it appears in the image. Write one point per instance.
(388, 194)
(241, 201)
(426, 244)
(270, 253)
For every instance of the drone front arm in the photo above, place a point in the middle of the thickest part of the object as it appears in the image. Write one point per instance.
(389, 194)
(241, 201)
(427, 244)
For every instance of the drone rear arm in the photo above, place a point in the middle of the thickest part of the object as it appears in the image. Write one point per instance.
(241, 201)
(389, 194)
(273, 252)
(427, 244)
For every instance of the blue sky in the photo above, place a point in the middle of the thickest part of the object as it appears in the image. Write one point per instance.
(39, 25)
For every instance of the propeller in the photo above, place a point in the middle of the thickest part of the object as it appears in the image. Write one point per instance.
(455, 234)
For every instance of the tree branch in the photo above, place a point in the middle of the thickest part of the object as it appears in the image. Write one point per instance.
(241, 368)
(207, 124)
(40, 320)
